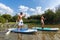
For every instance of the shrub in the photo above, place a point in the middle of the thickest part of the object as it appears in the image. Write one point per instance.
(2, 20)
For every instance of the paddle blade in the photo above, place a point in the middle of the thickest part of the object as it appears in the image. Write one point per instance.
(9, 30)
(7, 33)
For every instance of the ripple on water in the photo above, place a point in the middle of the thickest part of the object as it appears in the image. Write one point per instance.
(40, 35)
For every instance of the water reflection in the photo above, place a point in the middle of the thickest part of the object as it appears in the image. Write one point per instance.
(19, 36)
(40, 35)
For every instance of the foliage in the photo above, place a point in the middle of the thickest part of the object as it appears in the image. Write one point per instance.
(34, 17)
(58, 14)
(14, 18)
(2, 20)
(7, 16)
(49, 15)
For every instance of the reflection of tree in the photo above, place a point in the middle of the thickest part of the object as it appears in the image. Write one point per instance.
(19, 36)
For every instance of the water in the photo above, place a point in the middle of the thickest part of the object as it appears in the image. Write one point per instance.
(40, 35)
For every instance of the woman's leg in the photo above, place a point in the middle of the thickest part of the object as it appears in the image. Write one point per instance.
(42, 25)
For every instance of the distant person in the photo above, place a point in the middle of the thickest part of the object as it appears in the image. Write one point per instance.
(20, 20)
(42, 21)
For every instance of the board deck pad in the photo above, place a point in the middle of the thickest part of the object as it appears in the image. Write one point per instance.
(24, 30)
(51, 29)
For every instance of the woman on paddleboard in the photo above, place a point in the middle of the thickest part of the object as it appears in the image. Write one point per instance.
(42, 21)
(20, 20)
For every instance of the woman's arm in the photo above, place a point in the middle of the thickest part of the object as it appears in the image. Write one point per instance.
(18, 19)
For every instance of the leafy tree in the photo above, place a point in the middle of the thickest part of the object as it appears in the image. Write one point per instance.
(49, 15)
(2, 20)
(58, 14)
(7, 16)
(36, 17)
(14, 18)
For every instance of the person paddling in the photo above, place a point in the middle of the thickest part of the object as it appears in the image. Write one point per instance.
(42, 21)
(20, 20)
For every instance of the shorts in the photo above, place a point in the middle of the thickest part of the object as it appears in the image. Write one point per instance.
(20, 23)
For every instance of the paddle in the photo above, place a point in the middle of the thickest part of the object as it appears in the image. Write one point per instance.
(9, 30)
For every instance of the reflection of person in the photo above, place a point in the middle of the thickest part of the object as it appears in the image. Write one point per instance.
(20, 16)
(42, 21)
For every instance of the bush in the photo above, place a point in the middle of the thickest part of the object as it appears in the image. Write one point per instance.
(32, 21)
(2, 20)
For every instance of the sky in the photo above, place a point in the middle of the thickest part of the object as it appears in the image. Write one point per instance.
(28, 7)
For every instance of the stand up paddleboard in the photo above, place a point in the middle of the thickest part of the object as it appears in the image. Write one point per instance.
(46, 29)
(23, 30)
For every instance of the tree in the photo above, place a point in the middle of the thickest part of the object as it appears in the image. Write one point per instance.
(2, 20)
(58, 14)
(49, 15)
(14, 18)
(35, 17)
(7, 16)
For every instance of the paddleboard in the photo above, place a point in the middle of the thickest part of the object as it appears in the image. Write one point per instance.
(48, 29)
(23, 30)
